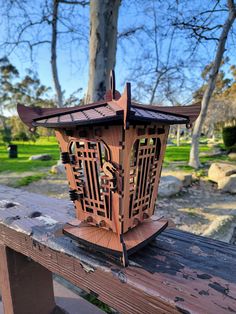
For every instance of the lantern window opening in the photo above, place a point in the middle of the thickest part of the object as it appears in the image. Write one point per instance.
(145, 153)
(91, 154)
(100, 213)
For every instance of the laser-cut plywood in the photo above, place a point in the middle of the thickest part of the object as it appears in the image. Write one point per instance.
(113, 153)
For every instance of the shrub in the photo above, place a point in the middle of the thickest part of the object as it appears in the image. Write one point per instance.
(21, 136)
(6, 135)
(229, 136)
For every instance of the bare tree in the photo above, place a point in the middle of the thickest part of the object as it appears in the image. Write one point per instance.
(157, 68)
(36, 26)
(194, 160)
(54, 54)
(102, 46)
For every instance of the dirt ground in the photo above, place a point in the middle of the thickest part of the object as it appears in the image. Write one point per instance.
(200, 208)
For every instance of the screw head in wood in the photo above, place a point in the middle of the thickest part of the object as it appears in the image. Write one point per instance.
(145, 216)
(102, 223)
(136, 221)
(89, 219)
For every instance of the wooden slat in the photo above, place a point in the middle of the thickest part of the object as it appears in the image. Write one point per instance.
(65, 118)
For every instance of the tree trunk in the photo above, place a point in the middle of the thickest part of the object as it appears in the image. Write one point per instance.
(54, 54)
(194, 160)
(102, 47)
(178, 135)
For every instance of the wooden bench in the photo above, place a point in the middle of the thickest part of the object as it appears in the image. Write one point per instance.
(177, 273)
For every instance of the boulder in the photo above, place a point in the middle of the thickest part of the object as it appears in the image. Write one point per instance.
(232, 156)
(41, 157)
(169, 186)
(185, 177)
(220, 170)
(228, 184)
(59, 168)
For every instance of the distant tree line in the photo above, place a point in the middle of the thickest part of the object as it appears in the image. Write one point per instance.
(16, 89)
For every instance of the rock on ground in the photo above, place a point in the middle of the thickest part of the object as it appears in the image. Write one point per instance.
(169, 186)
(232, 156)
(228, 184)
(59, 168)
(185, 177)
(40, 157)
(218, 171)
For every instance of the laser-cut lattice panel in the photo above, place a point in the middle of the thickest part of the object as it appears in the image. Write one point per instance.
(93, 186)
(143, 172)
(146, 152)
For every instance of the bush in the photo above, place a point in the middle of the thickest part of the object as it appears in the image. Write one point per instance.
(229, 136)
(6, 135)
(21, 136)
(20, 132)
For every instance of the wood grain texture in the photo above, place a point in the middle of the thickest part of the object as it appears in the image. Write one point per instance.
(108, 241)
(176, 273)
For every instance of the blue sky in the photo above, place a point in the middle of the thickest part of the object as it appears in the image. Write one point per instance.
(73, 58)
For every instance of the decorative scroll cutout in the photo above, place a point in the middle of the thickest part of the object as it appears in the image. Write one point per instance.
(109, 169)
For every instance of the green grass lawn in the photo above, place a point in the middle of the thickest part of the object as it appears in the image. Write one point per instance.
(50, 146)
(181, 154)
(25, 150)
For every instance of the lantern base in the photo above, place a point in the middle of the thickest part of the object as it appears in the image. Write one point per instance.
(109, 242)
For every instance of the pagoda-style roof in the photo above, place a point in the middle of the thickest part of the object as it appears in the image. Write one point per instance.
(114, 108)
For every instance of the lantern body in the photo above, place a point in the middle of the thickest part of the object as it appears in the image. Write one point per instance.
(113, 152)
(113, 174)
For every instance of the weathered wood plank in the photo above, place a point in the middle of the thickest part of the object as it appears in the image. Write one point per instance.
(27, 287)
(178, 272)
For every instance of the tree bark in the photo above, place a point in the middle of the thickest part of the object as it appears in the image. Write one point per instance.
(194, 160)
(54, 54)
(102, 47)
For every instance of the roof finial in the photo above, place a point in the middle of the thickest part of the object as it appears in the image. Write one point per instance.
(125, 102)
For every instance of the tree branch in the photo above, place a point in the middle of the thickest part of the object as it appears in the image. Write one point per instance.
(82, 3)
(129, 32)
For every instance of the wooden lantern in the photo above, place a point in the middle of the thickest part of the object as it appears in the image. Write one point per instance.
(113, 153)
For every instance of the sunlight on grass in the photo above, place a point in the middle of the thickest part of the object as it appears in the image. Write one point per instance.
(181, 154)
(25, 150)
(50, 146)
